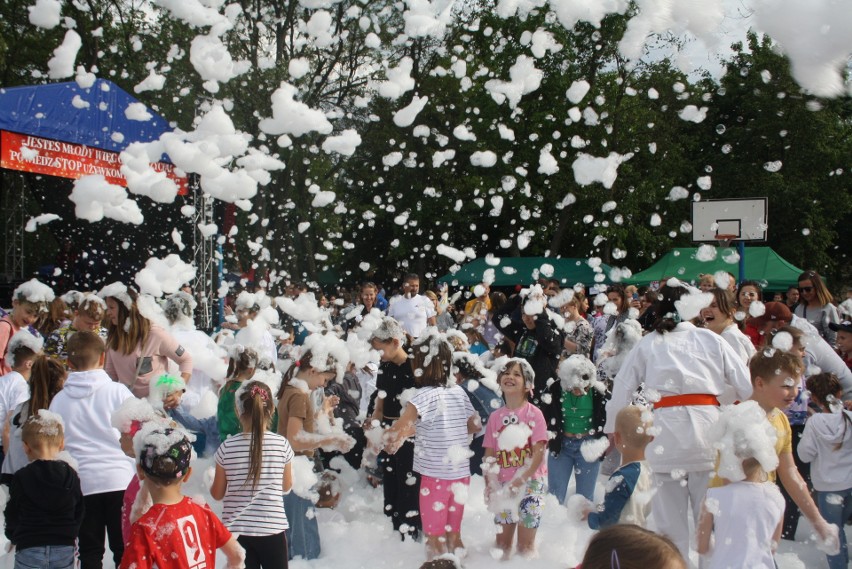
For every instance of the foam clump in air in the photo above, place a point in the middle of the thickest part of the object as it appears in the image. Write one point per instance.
(164, 276)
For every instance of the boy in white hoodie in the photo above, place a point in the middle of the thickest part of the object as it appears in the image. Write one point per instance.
(86, 404)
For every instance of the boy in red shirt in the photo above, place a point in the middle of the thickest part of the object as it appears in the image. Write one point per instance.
(176, 532)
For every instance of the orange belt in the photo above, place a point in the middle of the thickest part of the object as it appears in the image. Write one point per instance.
(687, 399)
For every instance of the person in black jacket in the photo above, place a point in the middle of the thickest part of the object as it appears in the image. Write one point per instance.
(539, 341)
(45, 507)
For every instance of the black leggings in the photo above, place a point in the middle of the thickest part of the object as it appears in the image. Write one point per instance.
(103, 516)
(265, 551)
(402, 500)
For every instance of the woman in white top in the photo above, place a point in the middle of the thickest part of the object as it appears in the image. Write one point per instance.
(443, 417)
(815, 305)
(686, 369)
(719, 318)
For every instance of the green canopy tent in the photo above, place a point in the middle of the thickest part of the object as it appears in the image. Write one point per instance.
(762, 264)
(510, 271)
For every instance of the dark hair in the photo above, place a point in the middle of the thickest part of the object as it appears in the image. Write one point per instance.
(84, 349)
(432, 361)
(22, 353)
(667, 314)
(624, 302)
(628, 546)
(753, 284)
(498, 299)
(822, 293)
(411, 277)
(46, 380)
(822, 387)
(258, 407)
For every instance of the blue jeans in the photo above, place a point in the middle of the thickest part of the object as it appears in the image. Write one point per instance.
(836, 507)
(45, 557)
(570, 460)
(303, 538)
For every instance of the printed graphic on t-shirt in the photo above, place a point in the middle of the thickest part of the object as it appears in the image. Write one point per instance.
(195, 557)
(516, 457)
(526, 347)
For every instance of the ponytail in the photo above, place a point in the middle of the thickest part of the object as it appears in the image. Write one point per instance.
(665, 309)
(46, 380)
(256, 407)
(304, 361)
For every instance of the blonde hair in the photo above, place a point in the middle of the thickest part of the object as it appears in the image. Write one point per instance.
(632, 427)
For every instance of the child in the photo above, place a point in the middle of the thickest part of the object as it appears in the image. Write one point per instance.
(176, 531)
(746, 516)
(23, 348)
(86, 404)
(401, 498)
(308, 429)
(46, 380)
(775, 379)
(631, 547)
(442, 417)
(28, 301)
(45, 505)
(827, 445)
(515, 469)
(129, 419)
(253, 472)
(240, 368)
(628, 494)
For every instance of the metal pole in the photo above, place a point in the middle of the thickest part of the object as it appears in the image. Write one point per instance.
(741, 251)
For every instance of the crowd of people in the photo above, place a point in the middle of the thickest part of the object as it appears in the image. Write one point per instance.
(668, 402)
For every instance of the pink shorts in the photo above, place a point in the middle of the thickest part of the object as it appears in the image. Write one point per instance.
(439, 511)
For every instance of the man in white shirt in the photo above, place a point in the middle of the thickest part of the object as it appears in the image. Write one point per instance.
(413, 311)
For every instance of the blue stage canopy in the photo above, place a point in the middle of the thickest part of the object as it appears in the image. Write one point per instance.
(66, 112)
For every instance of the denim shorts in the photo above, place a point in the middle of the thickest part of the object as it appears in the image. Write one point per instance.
(45, 557)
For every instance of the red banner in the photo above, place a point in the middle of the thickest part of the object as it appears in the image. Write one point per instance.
(29, 153)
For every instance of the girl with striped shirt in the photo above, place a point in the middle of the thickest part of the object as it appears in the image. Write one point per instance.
(442, 417)
(253, 472)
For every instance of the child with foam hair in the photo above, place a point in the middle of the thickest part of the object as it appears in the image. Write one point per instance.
(629, 490)
(45, 505)
(746, 515)
(515, 468)
(28, 301)
(176, 531)
(14, 388)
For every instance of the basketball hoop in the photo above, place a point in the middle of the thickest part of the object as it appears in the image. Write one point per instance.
(725, 239)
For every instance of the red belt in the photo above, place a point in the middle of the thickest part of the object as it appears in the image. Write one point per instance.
(687, 399)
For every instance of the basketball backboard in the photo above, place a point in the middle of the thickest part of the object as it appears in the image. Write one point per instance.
(745, 219)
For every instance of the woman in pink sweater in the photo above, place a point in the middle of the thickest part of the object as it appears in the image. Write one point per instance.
(138, 349)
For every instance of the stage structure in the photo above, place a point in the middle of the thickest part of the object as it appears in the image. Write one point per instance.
(65, 131)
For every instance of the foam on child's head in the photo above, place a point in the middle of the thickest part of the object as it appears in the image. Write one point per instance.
(526, 370)
(34, 292)
(743, 432)
(162, 451)
(43, 428)
(132, 415)
(164, 386)
(389, 329)
(23, 345)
